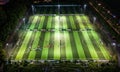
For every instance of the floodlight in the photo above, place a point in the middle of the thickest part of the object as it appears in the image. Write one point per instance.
(114, 16)
(99, 4)
(114, 44)
(23, 19)
(85, 5)
(32, 6)
(58, 8)
(7, 44)
(94, 18)
(108, 11)
(58, 5)
(32, 9)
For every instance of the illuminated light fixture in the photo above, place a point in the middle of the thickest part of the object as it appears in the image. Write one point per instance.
(94, 18)
(33, 8)
(99, 4)
(7, 44)
(114, 16)
(58, 9)
(108, 11)
(58, 5)
(114, 44)
(23, 19)
(85, 6)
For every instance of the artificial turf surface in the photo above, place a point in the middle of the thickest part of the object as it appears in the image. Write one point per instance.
(67, 37)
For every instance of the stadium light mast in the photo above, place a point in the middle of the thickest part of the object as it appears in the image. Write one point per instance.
(94, 20)
(24, 20)
(58, 12)
(85, 7)
(32, 9)
(58, 8)
(24, 23)
(7, 45)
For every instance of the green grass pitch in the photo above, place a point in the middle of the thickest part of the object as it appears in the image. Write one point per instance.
(64, 37)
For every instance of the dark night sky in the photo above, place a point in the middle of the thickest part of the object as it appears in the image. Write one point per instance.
(114, 5)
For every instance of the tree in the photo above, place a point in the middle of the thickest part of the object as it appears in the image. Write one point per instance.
(2, 54)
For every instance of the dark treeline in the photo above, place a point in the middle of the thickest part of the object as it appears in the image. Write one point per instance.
(114, 5)
(65, 66)
(10, 15)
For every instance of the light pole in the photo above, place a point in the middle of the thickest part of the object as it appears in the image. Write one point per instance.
(24, 23)
(113, 44)
(58, 12)
(94, 20)
(58, 9)
(7, 45)
(85, 7)
(7, 49)
(32, 9)
(24, 20)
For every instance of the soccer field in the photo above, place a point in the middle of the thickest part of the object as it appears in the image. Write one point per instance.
(60, 37)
